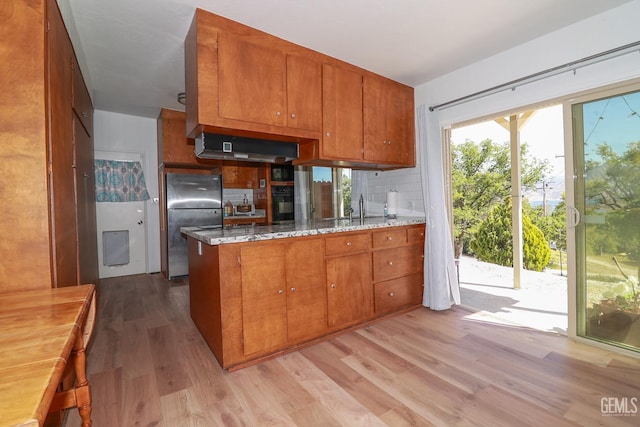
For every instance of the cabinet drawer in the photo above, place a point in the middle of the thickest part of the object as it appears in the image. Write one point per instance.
(397, 262)
(390, 238)
(395, 294)
(415, 234)
(347, 244)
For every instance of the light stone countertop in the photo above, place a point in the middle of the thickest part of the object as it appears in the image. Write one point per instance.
(269, 232)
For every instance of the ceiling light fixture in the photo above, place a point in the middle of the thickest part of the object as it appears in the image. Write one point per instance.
(182, 98)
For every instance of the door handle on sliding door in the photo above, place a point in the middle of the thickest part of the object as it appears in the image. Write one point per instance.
(574, 217)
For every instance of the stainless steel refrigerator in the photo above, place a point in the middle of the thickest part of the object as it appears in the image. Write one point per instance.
(192, 200)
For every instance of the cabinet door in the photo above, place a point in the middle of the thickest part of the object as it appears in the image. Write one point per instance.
(306, 301)
(349, 289)
(240, 176)
(81, 100)
(389, 134)
(85, 205)
(341, 113)
(251, 82)
(264, 304)
(304, 93)
(61, 153)
(173, 145)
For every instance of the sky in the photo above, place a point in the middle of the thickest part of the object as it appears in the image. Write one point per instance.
(615, 121)
(543, 133)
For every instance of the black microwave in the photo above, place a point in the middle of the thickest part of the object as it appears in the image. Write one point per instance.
(281, 173)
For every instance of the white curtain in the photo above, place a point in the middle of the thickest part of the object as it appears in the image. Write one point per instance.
(441, 289)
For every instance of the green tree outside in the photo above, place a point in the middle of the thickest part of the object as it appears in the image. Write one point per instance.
(493, 241)
(481, 178)
(614, 191)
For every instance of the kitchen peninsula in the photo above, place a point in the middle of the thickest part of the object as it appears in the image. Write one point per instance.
(260, 291)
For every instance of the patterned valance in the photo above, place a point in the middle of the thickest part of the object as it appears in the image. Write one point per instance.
(120, 181)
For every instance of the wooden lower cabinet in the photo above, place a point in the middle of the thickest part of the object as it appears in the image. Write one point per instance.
(399, 293)
(398, 266)
(306, 300)
(250, 300)
(264, 301)
(283, 296)
(349, 290)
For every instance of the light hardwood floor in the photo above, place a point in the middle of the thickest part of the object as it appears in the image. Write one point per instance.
(149, 366)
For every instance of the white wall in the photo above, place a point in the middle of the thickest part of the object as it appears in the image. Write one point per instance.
(608, 30)
(131, 134)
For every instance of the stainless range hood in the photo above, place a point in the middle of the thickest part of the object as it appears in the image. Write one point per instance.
(226, 147)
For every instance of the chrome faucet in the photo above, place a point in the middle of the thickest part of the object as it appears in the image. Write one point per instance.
(350, 214)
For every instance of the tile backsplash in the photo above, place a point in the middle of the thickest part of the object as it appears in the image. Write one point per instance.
(405, 181)
(235, 195)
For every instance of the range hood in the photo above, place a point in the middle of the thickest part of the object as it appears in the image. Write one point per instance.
(226, 147)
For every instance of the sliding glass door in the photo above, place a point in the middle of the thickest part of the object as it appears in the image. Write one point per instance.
(606, 192)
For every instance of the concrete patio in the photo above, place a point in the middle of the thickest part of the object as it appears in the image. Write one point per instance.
(487, 290)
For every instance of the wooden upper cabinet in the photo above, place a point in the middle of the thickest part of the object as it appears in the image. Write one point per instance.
(173, 145)
(241, 80)
(251, 81)
(341, 113)
(389, 134)
(81, 102)
(304, 93)
(261, 84)
(240, 176)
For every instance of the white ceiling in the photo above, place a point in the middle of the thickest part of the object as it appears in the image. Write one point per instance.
(134, 48)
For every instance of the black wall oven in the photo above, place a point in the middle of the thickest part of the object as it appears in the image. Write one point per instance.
(282, 204)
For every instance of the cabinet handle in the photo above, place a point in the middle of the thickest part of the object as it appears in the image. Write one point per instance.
(278, 113)
(280, 291)
(84, 114)
(348, 243)
(333, 286)
(422, 256)
(293, 289)
(389, 238)
(391, 294)
(293, 116)
(390, 262)
(328, 134)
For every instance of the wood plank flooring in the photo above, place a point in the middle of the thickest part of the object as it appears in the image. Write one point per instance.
(149, 366)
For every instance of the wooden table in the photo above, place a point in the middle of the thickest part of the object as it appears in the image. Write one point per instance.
(40, 331)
